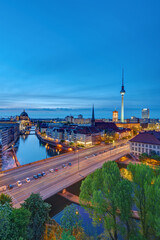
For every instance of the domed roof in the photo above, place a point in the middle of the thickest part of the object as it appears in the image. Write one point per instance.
(24, 114)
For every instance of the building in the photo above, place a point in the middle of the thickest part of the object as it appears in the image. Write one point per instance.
(9, 133)
(115, 116)
(24, 116)
(130, 125)
(80, 116)
(87, 135)
(145, 113)
(69, 119)
(120, 132)
(80, 121)
(93, 118)
(122, 92)
(145, 142)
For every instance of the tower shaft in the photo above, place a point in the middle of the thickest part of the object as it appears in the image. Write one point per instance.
(122, 109)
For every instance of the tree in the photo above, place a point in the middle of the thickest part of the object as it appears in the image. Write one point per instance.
(142, 176)
(66, 236)
(5, 211)
(153, 213)
(124, 202)
(4, 198)
(39, 215)
(98, 197)
(19, 219)
(71, 219)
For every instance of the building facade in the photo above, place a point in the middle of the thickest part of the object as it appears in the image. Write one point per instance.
(115, 116)
(146, 142)
(145, 113)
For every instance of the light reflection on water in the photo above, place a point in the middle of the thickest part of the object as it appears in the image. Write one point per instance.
(30, 149)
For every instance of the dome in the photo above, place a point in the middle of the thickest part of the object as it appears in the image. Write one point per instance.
(24, 114)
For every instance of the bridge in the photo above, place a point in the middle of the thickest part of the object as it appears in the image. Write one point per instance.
(83, 162)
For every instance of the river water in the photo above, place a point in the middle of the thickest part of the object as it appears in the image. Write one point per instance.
(29, 149)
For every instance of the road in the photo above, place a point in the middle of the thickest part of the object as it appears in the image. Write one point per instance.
(83, 163)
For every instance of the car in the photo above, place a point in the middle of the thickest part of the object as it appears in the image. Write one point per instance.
(10, 186)
(28, 180)
(35, 177)
(56, 169)
(39, 175)
(51, 170)
(43, 174)
(19, 183)
(63, 166)
(69, 164)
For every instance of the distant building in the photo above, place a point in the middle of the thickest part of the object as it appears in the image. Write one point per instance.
(115, 116)
(24, 116)
(146, 142)
(80, 116)
(112, 127)
(85, 135)
(134, 120)
(145, 113)
(69, 119)
(93, 118)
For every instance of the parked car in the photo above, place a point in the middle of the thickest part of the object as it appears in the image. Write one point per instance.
(51, 170)
(3, 188)
(69, 164)
(39, 175)
(63, 166)
(56, 169)
(43, 174)
(28, 180)
(35, 177)
(10, 186)
(19, 183)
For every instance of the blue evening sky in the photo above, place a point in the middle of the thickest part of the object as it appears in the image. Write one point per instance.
(70, 54)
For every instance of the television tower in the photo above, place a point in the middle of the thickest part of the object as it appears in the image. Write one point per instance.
(122, 92)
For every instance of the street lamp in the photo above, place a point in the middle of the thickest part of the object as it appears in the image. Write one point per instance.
(78, 159)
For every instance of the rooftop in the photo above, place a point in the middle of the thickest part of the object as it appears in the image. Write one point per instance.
(150, 137)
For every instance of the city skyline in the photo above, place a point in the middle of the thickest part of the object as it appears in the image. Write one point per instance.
(58, 58)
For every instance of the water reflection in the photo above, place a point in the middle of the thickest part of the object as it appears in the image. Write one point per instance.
(29, 149)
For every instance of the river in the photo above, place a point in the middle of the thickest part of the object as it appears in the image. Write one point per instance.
(28, 149)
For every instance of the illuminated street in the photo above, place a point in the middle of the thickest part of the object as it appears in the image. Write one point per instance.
(86, 160)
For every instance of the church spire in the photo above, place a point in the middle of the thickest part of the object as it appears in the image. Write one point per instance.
(93, 118)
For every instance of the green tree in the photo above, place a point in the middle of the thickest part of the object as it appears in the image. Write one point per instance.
(66, 236)
(19, 220)
(153, 213)
(124, 200)
(142, 176)
(71, 218)
(39, 215)
(5, 212)
(4, 198)
(98, 196)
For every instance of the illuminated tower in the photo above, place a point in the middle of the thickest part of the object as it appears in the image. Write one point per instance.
(122, 92)
(115, 116)
(93, 118)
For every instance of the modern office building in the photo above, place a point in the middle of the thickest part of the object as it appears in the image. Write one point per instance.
(115, 116)
(122, 92)
(145, 113)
